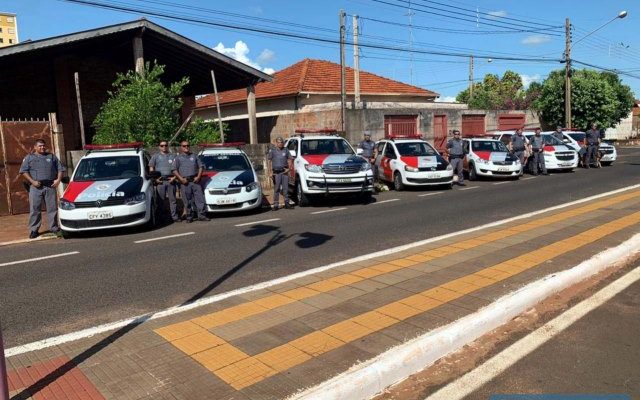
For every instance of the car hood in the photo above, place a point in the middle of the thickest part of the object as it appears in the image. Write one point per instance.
(102, 190)
(494, 155)
(422, 161)
(558, 147)
(227, 179)
(324, 159)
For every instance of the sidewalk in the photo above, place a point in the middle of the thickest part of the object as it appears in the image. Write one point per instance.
(276, 341)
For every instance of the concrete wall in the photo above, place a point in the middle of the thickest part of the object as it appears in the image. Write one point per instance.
(622, 131)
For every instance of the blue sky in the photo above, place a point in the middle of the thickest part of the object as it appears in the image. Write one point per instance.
(455, 30)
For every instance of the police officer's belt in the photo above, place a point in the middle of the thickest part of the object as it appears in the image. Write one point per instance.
(456, 155)
(166, 178)
(47, 183)
(278, 170)
(189, 178)
(519, 149)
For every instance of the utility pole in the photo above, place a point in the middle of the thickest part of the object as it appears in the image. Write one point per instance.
(356, 62)
(470, 77)
(343, 78)
(567, 74)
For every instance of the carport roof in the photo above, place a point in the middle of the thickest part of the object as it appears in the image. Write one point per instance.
(181, 55)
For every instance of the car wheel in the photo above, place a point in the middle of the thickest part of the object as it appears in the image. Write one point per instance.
(301, 197)
(397, 182)
(366, 197)
(473, 175)
(606, 163)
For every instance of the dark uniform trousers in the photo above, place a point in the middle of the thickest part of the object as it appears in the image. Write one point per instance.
(591, 154)
(456, 162)
(36, 196)
(167, 190)
(281, 185)
(192, 195)
(538, 162)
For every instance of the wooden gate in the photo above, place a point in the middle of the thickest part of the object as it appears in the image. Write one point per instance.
(440, 132)
(17, 139)
(510, 122)
(473, 125)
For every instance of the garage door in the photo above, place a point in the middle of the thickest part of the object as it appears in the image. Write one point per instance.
(400, 125)
(473, 125)
(510, 122)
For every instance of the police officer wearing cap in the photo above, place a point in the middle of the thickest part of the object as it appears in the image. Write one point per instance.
(368, 148)
(558, 134)
(166, 185)
(537, 148)
(518, 146)
(281, 162)
(187, 168)
(44, 171)
(456, 155)
(592, 140)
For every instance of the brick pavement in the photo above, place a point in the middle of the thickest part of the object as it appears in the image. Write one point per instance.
(271, 343)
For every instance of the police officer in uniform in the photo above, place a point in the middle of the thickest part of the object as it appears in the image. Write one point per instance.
(456, 155)
(537, 148)
(44, 171)
(281, 162)
(558, 134)
(187, 168)
(368, 147)
(592, 140)
(518, 146)
(166, 185)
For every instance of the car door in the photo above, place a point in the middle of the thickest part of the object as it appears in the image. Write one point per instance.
(466, 145)
(378, 161)
(388, 162)
(292, 146)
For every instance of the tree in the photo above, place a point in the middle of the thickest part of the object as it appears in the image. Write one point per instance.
(598, 97)
(140, 109)
(495, 93)
(198, 131)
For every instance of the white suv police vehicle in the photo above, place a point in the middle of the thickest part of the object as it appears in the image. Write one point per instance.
(411, 161)
(326, 165)
(490, 158)
(576, 139)
(229, 180)
(111, 187)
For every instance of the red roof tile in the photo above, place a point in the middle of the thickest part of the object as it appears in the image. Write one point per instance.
(316, 76)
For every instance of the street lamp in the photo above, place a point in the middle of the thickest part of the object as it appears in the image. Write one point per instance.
(567, 57)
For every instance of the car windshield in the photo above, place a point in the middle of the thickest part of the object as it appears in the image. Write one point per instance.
(325, 146)
(578, 137)
(225, 162)
(549, 140)
(415, 149)
(488, 145)
(107, 168)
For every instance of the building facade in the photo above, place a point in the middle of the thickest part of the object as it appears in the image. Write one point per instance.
(8, 29)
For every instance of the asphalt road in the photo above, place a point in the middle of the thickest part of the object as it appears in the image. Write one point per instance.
(111, 277)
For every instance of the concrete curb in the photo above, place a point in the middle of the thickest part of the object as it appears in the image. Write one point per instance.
(365, 380)
(39, 238)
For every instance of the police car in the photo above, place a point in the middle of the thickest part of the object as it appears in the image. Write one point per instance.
(490, 158)
(575, 140)
(326, 164)
(411, 161)
(229, 180)
(111, 187)
(557, 155)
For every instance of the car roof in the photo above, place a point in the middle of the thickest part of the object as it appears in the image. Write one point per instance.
(111, 153)
(222, 151)
(484, 139)
(315, 137)
(403, 140)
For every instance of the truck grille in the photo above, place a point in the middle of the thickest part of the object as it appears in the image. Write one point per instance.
(341, 168)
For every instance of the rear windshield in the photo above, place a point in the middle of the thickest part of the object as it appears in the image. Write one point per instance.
(325, 146)
(107, 168)
(225, 162)
(578, 137)
(415, 149)
(487, 145)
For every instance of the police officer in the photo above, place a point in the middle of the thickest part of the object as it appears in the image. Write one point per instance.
(281, 162)
(166, 185)
(455, 151)
(187, 168)
(537, 148)
(44, 171)
(368, 147)
(558, 134)
(518, 146)
(592, 140)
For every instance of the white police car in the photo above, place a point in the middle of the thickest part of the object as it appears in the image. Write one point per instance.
(229, 180)
(557, 155)
(411, 161)
(490, 158)
(576, 139)
(326, 165)
(111, 187)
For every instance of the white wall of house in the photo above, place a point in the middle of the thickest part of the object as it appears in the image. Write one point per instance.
(622, 131)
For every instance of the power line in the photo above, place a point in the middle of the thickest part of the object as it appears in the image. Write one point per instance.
(615, 71)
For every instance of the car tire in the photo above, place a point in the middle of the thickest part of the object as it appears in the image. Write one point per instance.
(606, 163)
(301, 198)
(397, 182)
(366, 197)
(473, 175)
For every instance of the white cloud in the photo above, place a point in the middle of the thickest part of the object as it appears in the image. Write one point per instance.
(497, 14)
(446, 99)
(240, 52)
(266, 56)
(535, 40)
(527, 79)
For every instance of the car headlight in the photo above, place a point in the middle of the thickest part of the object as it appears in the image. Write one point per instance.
(517, 161)
(313, 168)
(411, 169)
(365, 166)
(135, 199)
(67, 205)
(252, 186)
(482, 161)
(449, 167)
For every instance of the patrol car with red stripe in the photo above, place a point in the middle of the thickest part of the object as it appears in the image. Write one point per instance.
(229, 180)
(490, 158)
(557, 155)
(411, 161)
(326, 164)
(111, 187)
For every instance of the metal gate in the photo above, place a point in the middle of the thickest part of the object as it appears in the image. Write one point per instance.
(405, 125)
(508, 122)
(16, 141)
(473, 125)
(440, 132)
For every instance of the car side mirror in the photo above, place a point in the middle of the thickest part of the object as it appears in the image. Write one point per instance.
(258, 167)
(155, 175)
(65, 180)
(292, 152)
(359, 151)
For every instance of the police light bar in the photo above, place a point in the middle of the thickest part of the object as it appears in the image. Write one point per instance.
(229, 144)
(133, 145)
(403, 136)
(323, 130)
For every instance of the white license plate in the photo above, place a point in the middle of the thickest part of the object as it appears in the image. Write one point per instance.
(226, 200)
(565, 164)
(433, 176)
(99, 215)
(343, 180)
(503, 169)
